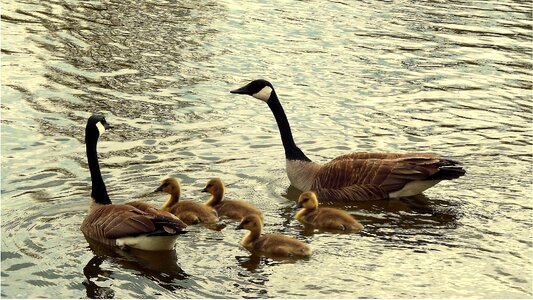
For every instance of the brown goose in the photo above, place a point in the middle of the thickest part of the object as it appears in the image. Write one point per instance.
(137, 225)
(270, 244)
(357, 176)
(233, 209)
(189, 212)
(324, 217)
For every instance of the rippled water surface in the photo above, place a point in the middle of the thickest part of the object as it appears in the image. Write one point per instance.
(451, 77)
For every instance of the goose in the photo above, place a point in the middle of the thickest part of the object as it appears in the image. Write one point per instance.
(136, 225)
(270, 244)
(324, 217)
(359, 176)
(233, 209)
(189, 212)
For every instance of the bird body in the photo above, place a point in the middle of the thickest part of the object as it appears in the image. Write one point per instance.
(233, 209)
(270, 244)
(188, 211)
(324, 217)
(359, 176)
(138, 225)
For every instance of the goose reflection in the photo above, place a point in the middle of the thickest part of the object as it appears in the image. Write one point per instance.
(160, 266)
(253, 261)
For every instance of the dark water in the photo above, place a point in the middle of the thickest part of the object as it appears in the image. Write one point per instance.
(451, 77)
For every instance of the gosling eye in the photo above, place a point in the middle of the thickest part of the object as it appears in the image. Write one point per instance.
(305, 199)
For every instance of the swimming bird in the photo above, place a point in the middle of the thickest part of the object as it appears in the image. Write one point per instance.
(139, 225)
(359, 176)
(324, 217)
(233, 209)
(189, 212)
(270, 244)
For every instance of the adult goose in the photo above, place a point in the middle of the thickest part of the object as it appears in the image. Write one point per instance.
(136, 224)
(359, 176)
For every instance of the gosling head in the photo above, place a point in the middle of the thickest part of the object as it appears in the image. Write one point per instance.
(169, 186)
(260, 89)
(214, 186)
(96, 126)
(250, 222)
(308, 200)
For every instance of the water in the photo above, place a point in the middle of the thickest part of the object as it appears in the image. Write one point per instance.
(448, 77)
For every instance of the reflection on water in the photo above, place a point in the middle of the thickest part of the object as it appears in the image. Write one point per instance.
(159, 266)
(446, 77)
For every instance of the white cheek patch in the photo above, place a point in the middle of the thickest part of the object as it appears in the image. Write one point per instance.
(101, 128)
(263, 94)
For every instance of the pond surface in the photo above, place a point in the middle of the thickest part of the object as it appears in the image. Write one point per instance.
(449, 77)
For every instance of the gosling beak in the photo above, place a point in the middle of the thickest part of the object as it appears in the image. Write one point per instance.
(243, 90)
(240, 226)
(299, 205)
(204, 190)
(159, 189)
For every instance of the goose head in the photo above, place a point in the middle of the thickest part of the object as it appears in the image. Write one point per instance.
(260, 89)
(214, 186)
(96, 126)
(169, 186)
(251, 222)
(308, 200)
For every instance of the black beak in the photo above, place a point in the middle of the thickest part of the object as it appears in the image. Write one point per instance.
(204, 190)
(240, 226)
(243, 90)
(299, 205)
(108, 126)
(159, 189)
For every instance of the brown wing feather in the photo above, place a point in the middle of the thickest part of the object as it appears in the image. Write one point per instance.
(109, 222)
(370, 179)
(378, 155)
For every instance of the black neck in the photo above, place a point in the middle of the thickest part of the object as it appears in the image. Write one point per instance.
(292, 152)
(99, 191)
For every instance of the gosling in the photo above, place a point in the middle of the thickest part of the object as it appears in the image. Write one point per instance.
(233, 209)
(324, 217)
(270, 244)
(189, 212)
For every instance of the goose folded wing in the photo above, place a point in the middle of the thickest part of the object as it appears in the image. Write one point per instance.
(380, 155)
(369, 179)
(150, 209)
(117, 221)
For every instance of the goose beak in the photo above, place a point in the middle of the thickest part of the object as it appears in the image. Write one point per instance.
(204, 190)
(243, 90)
(159, 189)
(240, 226)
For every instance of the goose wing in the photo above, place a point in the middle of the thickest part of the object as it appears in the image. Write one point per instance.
(118, 221)
(150, 209)
(374, 178)
(380, 155)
